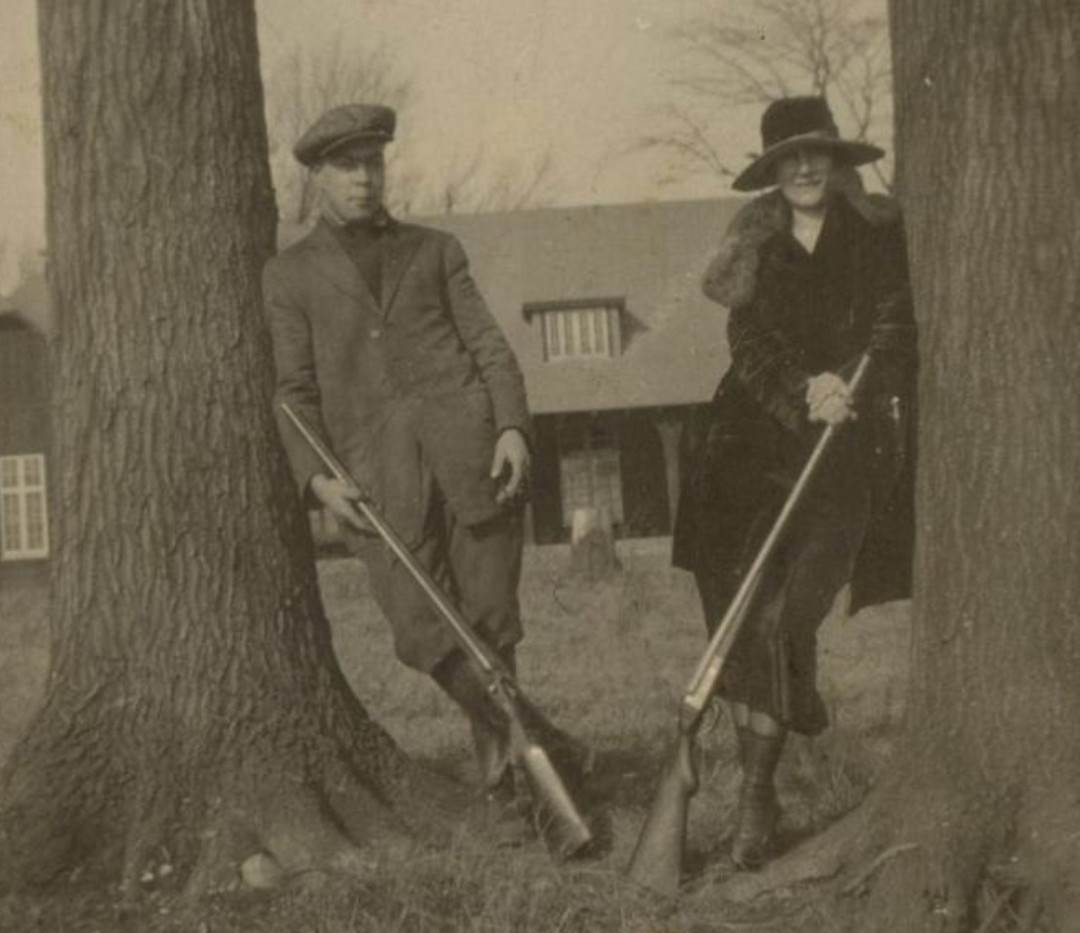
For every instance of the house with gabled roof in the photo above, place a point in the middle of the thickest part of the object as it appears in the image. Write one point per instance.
(604, 309)
(25, 431)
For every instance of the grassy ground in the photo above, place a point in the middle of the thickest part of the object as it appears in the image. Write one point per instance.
(606, 660)
(24, 654)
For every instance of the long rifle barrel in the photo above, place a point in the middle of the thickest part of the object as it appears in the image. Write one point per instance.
(400, 550)
(657, 858)
(705, 676)
(557, 816)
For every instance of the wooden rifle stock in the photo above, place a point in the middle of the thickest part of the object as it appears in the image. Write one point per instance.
(657, 859)
(562, 825)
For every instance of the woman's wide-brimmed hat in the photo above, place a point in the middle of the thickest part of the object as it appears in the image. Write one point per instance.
(791, 122)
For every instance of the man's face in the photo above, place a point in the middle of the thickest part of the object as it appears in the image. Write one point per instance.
(352, 182)
(803, 177)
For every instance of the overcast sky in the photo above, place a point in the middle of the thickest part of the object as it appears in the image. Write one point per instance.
(577, 77)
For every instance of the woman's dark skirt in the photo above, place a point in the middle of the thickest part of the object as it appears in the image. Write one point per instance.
(772, 667)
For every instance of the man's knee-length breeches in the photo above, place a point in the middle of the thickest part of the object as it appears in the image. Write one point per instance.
(478, 566)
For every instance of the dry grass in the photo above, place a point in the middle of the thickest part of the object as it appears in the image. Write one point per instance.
(606, 660)
(24, 655)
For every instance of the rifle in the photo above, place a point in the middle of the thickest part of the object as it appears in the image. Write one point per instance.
(557, 816)
(657, 859)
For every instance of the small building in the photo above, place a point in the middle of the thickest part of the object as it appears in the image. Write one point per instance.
(24, 446)
(604, 309)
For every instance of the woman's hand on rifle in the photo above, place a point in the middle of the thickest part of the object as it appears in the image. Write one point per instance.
(829, 399)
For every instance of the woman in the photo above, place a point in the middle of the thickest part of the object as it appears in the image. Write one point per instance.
(814, 274)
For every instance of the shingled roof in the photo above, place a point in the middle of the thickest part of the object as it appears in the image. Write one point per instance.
(652, 256)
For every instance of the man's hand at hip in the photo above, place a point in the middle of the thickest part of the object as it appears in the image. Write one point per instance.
(512, 458)
(829, 399)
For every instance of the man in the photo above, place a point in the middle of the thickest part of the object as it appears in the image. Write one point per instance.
(384, 344)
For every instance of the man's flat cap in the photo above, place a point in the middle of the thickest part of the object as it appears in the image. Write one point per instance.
(342, 125)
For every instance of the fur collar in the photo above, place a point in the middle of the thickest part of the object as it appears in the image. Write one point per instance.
(732, 274)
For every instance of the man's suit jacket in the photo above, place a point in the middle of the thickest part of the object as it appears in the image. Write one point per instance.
(411, 387)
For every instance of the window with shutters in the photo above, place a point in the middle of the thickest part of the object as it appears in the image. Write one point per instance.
(24, 526)
(579, 330)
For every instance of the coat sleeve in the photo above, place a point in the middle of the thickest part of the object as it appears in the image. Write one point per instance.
(485, 342)
(294, 365)
(768, 365)
(893, 337)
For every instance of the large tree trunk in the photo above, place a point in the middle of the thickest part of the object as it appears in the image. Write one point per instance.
(978, 822)
(988, 110)
(195, 713)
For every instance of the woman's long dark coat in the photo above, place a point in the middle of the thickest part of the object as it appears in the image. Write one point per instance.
(740, 455)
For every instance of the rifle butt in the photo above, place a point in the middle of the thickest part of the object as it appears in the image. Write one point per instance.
(658, 856)
(558, 819)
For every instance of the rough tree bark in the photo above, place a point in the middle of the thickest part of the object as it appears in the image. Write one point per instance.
(195, 713)
(988, 108)
(981, 813)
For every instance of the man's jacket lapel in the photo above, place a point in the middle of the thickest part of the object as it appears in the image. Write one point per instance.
(335, 264)
(398, 251)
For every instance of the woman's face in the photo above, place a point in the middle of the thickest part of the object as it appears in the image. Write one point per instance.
(803, 176)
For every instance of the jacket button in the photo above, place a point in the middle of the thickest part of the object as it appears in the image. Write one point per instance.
(376, 334)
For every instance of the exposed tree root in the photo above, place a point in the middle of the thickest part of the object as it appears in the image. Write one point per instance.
(933, 892)
(964, 836)
(857, 883)
(53, 802)
(336, 827)
(939, 848)
(224, 847)
(173, 809)
(844, 843)
(1049, 851)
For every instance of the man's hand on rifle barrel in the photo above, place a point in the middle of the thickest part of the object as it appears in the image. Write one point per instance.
(340, 498)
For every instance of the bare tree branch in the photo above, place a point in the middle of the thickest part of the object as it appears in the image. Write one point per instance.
(534, 190)
(303, 86)
(687, 142)
(476, 183)
(785, 47)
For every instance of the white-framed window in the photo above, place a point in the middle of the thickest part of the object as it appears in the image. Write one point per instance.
(581, 332)
(24, 526)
